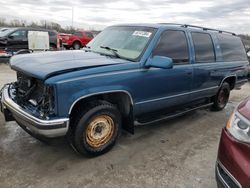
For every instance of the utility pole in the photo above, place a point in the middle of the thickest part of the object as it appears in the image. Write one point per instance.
(72, 23)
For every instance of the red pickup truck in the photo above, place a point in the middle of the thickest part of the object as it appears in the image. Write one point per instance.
(77, 40)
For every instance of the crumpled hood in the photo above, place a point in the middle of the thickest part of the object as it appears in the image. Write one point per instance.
(47, 64)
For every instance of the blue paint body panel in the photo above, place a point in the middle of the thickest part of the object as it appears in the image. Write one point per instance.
(79, 74)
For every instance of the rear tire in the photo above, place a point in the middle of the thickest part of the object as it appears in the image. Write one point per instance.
(222, 97)
(53, 47)
(77, 46)
(96, 128)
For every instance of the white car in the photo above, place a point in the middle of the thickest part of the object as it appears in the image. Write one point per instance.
(3, 29)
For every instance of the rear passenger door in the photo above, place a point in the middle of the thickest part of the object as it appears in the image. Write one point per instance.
(204, 66)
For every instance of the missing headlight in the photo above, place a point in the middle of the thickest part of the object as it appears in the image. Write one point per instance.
(47, 104)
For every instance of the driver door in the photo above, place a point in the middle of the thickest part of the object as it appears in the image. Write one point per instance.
(167, 88)
(18, 40)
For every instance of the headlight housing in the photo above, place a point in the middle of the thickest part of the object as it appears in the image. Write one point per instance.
(239, 127)
(47, 104)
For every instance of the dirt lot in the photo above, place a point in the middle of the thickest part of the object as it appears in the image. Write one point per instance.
(177, 153)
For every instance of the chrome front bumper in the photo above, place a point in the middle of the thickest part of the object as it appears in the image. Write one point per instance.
(47, 128)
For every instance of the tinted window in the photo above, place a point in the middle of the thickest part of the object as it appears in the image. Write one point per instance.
(20, 34)
(173, 44)
(232, 48)
(203, 46)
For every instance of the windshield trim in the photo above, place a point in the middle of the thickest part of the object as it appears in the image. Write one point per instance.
(137, 59)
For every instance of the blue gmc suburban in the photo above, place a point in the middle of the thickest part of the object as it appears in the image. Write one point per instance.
(128, 75)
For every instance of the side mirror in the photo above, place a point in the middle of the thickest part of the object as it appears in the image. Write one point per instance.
(160, 62)
(248, 54)
(11, 37)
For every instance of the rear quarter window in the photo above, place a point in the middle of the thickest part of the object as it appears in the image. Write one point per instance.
(232, 48)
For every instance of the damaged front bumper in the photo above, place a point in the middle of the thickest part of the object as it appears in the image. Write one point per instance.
(47, 128)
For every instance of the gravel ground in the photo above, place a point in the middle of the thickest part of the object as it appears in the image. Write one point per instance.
(177, 153)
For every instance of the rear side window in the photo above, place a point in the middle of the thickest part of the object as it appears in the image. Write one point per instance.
(204, 48)
(173, 44)
(232, 48)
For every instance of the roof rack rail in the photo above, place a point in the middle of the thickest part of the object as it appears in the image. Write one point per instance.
(199, 27)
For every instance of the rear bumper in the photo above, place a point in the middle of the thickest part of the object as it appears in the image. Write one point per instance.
(46, 128)
(233, 166)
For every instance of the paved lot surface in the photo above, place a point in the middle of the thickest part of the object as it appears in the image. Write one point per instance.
(177, 153)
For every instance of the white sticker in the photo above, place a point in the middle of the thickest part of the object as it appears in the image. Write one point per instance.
(142, 33)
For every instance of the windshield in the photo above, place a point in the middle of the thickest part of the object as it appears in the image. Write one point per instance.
(128, 42)
(6, 32)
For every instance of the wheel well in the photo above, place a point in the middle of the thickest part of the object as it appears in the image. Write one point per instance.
(77, 41)
(52, 45)
(122, 100)
(231, 81)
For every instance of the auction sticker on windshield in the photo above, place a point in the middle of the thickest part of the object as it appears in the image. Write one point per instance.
(142, 33)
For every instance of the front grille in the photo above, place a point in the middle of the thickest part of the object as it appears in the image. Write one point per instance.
(227, 178)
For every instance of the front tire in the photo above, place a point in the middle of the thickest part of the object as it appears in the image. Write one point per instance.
(96, 128)
(222, 97)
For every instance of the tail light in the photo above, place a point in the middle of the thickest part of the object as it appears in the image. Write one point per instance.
(2, 51)
(58, 41)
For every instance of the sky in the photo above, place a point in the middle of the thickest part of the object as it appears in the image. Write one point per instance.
(231, 15)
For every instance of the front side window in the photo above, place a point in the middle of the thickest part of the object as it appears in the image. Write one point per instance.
(204, 48)
(127, 41)
(232, 48)
(173, 44)
(20, 34)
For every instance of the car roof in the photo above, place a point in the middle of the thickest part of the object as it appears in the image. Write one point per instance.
(33, 28)
(175, 25)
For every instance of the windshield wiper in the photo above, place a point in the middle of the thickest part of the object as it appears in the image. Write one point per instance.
(112, 50)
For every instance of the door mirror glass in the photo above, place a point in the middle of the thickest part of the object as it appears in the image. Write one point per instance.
(160, 62)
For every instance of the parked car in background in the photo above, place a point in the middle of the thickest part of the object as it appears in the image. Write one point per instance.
(127, 75)
(77, 40)
(3, 29)
(15, 39)
(233, 163)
